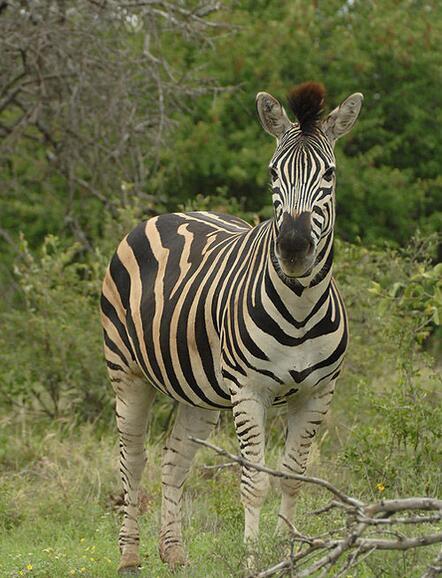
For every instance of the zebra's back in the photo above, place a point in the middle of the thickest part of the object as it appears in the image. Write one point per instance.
(162, 302)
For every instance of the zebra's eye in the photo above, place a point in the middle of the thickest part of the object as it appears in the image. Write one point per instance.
(328, 175)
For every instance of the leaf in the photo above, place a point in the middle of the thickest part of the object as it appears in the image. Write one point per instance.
(395, 288)
(375, 288)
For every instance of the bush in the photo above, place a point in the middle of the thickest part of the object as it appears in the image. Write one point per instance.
(51, 346)
(390, 393)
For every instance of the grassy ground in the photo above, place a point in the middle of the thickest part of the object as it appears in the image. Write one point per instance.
(58, 516)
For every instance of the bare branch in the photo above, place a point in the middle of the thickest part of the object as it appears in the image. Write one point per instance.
(348, 545)
(95, 100)
(219, 466)
(410, 520)
(404, 544)
(284, 475)
(400, 505)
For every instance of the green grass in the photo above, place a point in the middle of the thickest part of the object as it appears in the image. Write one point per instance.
(58, 517)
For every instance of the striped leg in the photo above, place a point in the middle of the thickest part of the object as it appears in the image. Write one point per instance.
(134, 400)
(303, 420)
(177, 460)
(249, 413)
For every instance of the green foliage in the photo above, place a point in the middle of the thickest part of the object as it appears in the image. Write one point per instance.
(10, 517)
(396, 304)
(416, 298)
(51, 348)
(226, 507)
(388, 167)
(388, 175)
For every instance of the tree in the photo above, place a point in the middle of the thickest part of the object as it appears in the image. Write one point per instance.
(86, 101)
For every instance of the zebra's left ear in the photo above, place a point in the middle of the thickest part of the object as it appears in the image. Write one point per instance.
(341, 120)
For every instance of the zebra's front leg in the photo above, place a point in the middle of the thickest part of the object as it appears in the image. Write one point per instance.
(249, 414)
(304, 417)
(134, 397)
(177, 460)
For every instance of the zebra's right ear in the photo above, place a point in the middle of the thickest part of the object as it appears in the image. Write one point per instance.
(272, 115)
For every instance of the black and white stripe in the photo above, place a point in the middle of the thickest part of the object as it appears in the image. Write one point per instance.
(205, 309)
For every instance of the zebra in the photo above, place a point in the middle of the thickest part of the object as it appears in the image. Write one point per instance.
(217, 314)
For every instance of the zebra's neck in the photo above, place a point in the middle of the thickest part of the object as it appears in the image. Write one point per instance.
(302, 292)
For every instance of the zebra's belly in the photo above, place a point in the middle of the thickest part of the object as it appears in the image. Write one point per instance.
(184, 374)
(191, 367)
(288, 372)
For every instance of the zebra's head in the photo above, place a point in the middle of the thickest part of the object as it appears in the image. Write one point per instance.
(302, 171)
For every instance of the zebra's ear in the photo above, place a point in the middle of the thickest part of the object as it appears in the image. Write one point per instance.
(272, 115)
(341, 120)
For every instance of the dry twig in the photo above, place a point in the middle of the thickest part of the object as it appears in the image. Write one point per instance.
(96, 102)
(320, 553)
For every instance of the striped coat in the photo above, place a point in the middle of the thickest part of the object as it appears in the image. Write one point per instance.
(217, 314)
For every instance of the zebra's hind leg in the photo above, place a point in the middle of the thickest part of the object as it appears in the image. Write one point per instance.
(303, 420)
(134, 397)
(177, 460)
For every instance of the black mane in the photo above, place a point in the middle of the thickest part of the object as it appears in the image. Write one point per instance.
(306, 101)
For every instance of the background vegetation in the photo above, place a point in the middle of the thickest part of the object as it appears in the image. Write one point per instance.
(114, 111)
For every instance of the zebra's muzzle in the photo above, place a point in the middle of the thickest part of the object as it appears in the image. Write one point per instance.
(295, 246)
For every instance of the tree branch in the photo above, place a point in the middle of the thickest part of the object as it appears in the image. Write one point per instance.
(350, 546)
(284, 475)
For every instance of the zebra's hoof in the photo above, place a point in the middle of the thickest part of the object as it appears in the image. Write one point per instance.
(129, 565)
(250, 564)
(174, 556)
(129, 571)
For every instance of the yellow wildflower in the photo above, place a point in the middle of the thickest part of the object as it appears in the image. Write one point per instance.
(380, 487)
(29, 567)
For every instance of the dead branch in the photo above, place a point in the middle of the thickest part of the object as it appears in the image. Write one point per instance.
(347, 545)
(284, 475)
(94, 87)
(219, 466)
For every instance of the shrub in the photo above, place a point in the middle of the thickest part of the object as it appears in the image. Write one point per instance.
(51, 347)
(391, 390)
